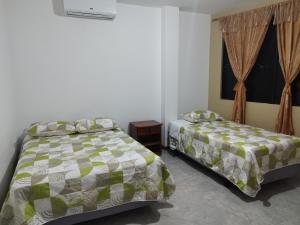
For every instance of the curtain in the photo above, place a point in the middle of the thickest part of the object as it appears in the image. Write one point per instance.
(287, 18)
(243, 35)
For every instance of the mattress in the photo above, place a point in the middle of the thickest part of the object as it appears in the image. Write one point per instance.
(69, 175)
(241, 153)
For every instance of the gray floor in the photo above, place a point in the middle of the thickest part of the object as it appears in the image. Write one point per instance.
(205, 198)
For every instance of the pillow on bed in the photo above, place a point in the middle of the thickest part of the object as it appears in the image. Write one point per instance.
(94, 125)
(47, 129)
(201, 115)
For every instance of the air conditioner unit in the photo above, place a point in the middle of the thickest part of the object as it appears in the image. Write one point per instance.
(97, 9)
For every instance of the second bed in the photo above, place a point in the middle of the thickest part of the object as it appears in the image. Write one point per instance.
(245, 155)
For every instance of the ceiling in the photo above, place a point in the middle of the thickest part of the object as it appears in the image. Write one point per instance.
(212, 7)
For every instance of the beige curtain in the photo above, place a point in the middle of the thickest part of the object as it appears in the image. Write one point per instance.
(287, 18)
(243, 35)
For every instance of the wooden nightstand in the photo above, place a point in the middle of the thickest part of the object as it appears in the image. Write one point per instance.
(148, 133)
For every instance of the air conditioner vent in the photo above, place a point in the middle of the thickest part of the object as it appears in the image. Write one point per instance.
(98, 9)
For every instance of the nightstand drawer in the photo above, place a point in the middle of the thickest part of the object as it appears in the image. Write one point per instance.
(148, 133)
(144, 131)
(155, 130)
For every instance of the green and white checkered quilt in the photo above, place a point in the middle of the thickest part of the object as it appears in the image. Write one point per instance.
(241, 153)
(66, 175)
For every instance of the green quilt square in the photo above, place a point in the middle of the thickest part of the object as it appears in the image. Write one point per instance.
(104, 194)
(29, 211)
(42, 157)
(116, 177)
(59, 207)
(102, 149)
(54, 145)
(25, 164)
(297, 143)
(263, 150)
(77, 147)
(204, 138)
(40, 191)
(149, 158)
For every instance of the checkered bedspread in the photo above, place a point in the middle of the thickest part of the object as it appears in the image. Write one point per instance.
(66, 175)
(241, 153)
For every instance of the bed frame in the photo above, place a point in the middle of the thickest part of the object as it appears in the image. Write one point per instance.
(269, 177)
(84, 217)
(282, 173)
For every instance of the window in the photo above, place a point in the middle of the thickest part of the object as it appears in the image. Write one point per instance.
(265, 82)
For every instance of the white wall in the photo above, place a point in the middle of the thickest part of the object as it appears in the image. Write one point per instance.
(7, 107)
(170, 51)
(68, 68)
(193, 61)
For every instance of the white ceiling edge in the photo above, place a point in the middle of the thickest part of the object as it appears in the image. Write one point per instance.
(215, 8)
(183, 5)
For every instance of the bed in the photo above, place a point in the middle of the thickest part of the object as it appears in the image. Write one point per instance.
(247, 156)
(73, 178)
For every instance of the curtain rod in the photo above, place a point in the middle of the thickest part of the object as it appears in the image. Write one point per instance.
(272, 5)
